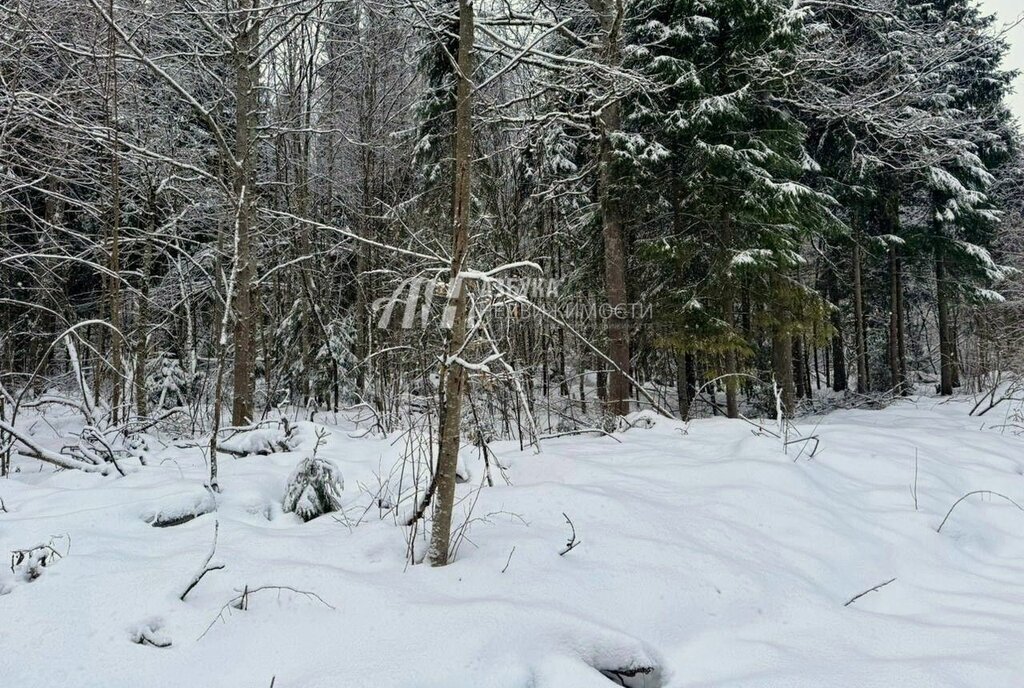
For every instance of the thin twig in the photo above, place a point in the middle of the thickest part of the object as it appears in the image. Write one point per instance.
(858, 596)
(572, 543)
(509, 560)
(974, 492)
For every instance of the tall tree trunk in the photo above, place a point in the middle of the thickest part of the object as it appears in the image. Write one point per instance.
(889, 217)
(246, 81)
(817, 364)
(691, 377)
(142, 324)
(858, 316)
(954, 347)
(114, 289)
(782, 367)
(946, 360)
(897, 364)
(782, 351)
(453, 375)
(366, 104)
(799, 374)
(732, 382)
(901, 331)
(682, 386)
(840, 377)
(617, 402)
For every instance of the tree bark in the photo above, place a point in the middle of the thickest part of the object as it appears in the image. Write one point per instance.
(246, 80)
(840, 377)
(858, 317)
(682, 386)
(782, 352)
(897, 350)
(142, 324)
(799, 373)
(114, 280)
(453, 375)
(782, 367)
(618, 391)
(946, 360)
(732, 382)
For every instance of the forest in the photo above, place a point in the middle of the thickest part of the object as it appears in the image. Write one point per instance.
(461, 251)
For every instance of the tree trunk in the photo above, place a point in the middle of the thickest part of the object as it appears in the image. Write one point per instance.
(682, 386)
(114, 293)
(782, 351)
(782, 367)
(817, 364)
(799, 375)
(618, 391)
(142, 326)
(453, 375)
(732, 382)
(691, 377)
(946, 362)
(246, 80)
(840, 377)
(901, 332)
(858, 317)
(954, 338)
(897, 364)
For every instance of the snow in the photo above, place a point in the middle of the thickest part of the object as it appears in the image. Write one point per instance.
(706, 551)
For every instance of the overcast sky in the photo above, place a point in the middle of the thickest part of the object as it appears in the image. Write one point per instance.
(1009, 11)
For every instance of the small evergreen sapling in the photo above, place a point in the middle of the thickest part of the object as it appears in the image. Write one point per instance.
(167, 384)
(315, 486)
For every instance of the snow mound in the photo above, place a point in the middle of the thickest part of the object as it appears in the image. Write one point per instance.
(181, 508)
(284, 436)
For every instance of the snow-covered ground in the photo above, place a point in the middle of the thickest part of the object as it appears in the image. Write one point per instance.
(705, 551)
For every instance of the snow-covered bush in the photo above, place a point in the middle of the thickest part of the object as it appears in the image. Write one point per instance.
(281, 437)
(28, 564)
(314, 489)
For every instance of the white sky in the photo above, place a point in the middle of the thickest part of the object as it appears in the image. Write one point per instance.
(1009, 11)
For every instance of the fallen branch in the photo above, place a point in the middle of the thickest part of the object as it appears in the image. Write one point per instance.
(241, 601)
(814, 451)
(581, 431)
(869, 590)
(620, 675)
(205, 568)
(36, 451)
(152, 637)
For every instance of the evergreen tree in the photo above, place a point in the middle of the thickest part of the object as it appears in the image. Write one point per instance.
(731, 163)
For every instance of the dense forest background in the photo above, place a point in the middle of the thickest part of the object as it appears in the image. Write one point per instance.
(499, 220)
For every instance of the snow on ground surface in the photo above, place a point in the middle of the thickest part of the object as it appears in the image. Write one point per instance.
(705, 551)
